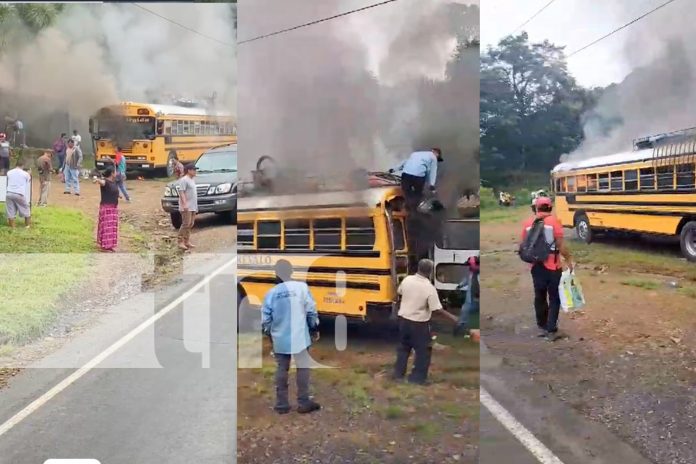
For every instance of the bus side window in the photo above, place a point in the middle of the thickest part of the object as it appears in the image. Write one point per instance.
(268, 236)
(631, 180)
(685, 177)
(665, 178)
(245, 235)
(603, 182)
(327, 234)
(617, 181)
(647, 179)
(297, 233)
(582, 183)
(592, 182)
(360, 233)
(571, 184)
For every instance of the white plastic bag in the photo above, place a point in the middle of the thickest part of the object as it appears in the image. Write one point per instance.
(570, 291)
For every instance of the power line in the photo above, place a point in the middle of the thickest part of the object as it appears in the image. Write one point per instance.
(531, 18)
(585, 47)
(282, 31)
(227, 44)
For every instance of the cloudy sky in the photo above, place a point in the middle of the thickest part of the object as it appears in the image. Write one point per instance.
(575, 23)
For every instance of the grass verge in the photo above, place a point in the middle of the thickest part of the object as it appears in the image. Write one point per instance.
(40, 265)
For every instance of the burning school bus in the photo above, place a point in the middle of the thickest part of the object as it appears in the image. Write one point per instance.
(650, 190)
(153, 137)
(352, 247)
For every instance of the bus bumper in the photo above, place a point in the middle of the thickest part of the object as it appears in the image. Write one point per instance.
(130, 166)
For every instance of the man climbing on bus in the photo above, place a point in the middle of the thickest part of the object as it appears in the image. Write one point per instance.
(290, 318)
(421, 166)
(541, 246)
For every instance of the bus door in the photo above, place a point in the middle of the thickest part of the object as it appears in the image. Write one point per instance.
(458, 241)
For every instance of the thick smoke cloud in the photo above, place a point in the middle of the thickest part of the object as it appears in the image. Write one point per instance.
(359, 92)
(96, 55)
(656, 97)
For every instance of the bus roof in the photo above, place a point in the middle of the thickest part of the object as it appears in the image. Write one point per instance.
(365, 198)
(176, 110)
(598, 161)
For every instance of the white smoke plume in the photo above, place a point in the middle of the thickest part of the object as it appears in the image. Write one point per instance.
(658, 96)
(360, 91)
(101, 54)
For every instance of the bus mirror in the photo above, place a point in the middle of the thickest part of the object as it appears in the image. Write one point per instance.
(160, 128)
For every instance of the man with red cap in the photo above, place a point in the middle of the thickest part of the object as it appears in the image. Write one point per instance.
(546, 274)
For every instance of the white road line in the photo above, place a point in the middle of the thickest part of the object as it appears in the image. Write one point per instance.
(528, 440)
(94, 362)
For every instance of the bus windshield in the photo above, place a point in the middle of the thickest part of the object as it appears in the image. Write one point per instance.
(125, 128)
(217, 161)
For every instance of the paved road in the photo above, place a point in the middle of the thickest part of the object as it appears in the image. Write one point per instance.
(179, 413)
(497, 445)
(538, 421)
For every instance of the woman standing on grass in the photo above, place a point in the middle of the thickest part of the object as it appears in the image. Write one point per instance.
(107, 228)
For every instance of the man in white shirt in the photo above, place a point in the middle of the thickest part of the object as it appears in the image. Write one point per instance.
(418, 299)
(16, 202)
(77, 138)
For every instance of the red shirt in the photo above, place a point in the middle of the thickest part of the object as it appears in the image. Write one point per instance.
(553, 230)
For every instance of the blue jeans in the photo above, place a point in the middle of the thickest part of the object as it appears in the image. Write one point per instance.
(122, 187)
(72, 179)
(470, 306)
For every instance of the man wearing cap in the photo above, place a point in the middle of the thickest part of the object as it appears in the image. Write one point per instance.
(546, 276)
(421, 166)
(188, 205)
(5, 151)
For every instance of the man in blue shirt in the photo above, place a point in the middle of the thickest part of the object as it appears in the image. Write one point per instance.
(289, 314)
(420, 167)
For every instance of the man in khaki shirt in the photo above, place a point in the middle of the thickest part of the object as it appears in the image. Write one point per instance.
(418, 299)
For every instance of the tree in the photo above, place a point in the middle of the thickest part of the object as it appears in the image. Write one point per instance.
(531, 107)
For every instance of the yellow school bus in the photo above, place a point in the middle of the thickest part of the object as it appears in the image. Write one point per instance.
(349, 247)
(650, 190)
(153, 136)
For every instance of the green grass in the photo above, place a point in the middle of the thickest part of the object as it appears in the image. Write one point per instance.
(427, 430)
(641, 283)
(393, 411)
(54, 230)
(627, 260)
(39, 265)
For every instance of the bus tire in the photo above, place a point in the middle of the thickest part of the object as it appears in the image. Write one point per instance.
(583, 229)
(687, 241)
(176, 219)
(171, 163)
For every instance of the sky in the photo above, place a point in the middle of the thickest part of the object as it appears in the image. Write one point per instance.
(573, 24)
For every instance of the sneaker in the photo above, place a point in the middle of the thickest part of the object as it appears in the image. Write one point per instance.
(66, 193)
(308, 407)
(552, 336)
(419, 382)
(281, 409)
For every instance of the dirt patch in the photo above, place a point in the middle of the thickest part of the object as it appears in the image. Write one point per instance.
(629, 359)
(366, 417)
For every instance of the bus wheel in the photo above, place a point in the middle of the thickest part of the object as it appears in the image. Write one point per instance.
(583, 229)
(176, 219)
(687, 240)
(171, 164)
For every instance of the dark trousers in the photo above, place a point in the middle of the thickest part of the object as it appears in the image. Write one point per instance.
(282, 378)
(547, 300)
(412, 187)
(61, 160)
(413, 336)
